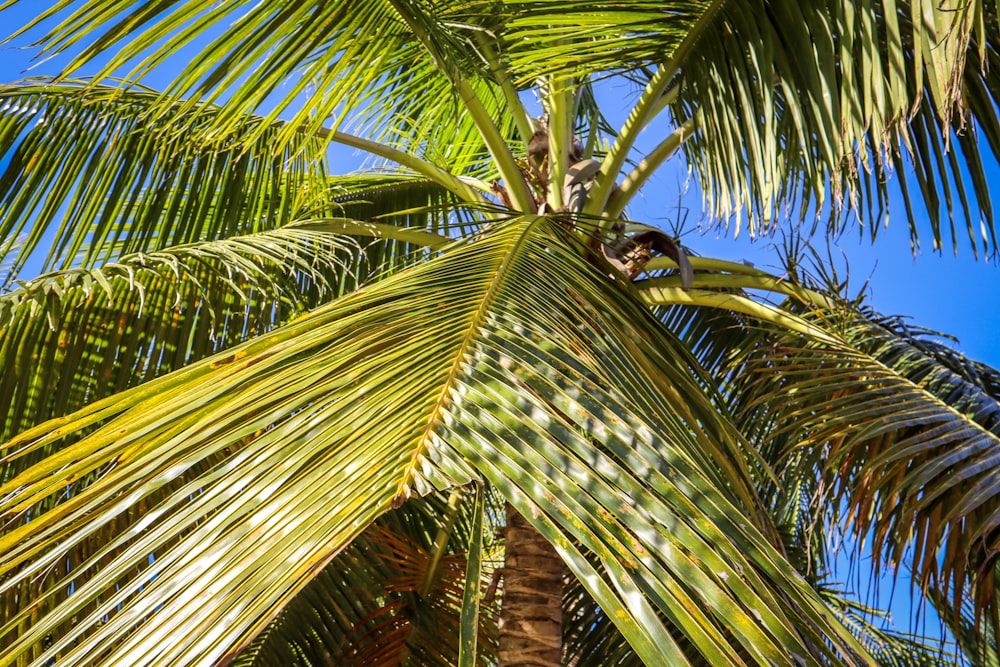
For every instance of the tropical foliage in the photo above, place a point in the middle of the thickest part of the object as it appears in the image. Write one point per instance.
(255, 412)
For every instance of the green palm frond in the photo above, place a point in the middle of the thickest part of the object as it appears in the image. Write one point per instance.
(800, 100)
(977, 639)
(315, 624)
(888, 83)
(889, 647)
(96, 178)
(898, 425)
(907, 443)
(976, 386)
(795, 491)
(427, 379)
(596, 642)
(374, 598)
(254, 412)
(265, 46)
(315, 65)
(542, 38)
(159, 187)
(591, 639)
(431, 123)
(402, 200)
(74, 336)
(410, 623)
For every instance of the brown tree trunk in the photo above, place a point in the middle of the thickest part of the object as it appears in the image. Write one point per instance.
(531, 609)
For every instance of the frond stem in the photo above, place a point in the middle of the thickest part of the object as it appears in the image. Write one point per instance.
(441, 542)
(654, 295)
(510, 96)
(636, 121)
(503, 159)
(654, 99)
(463, 188)
(561, 108)
(647, 167)
(743, 277)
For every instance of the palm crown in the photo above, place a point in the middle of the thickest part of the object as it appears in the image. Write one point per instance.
(256, 412)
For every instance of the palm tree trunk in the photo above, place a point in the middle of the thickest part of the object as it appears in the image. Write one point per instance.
(531, 611)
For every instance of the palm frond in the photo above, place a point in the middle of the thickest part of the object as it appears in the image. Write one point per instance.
(979, 383)
(399, 199)
(541, 38)
(794, 490)
(74, 336)
(371, 605)
(591, 638)
(889, 647)
(513, 359)
(157, 191)
(595, 641)
(312, 65)
(797, 101)
(90, 175)
(841, 451)
(899, 442)
(798, 105)
(978, 640)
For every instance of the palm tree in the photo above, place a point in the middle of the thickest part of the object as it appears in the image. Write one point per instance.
(457, 408)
